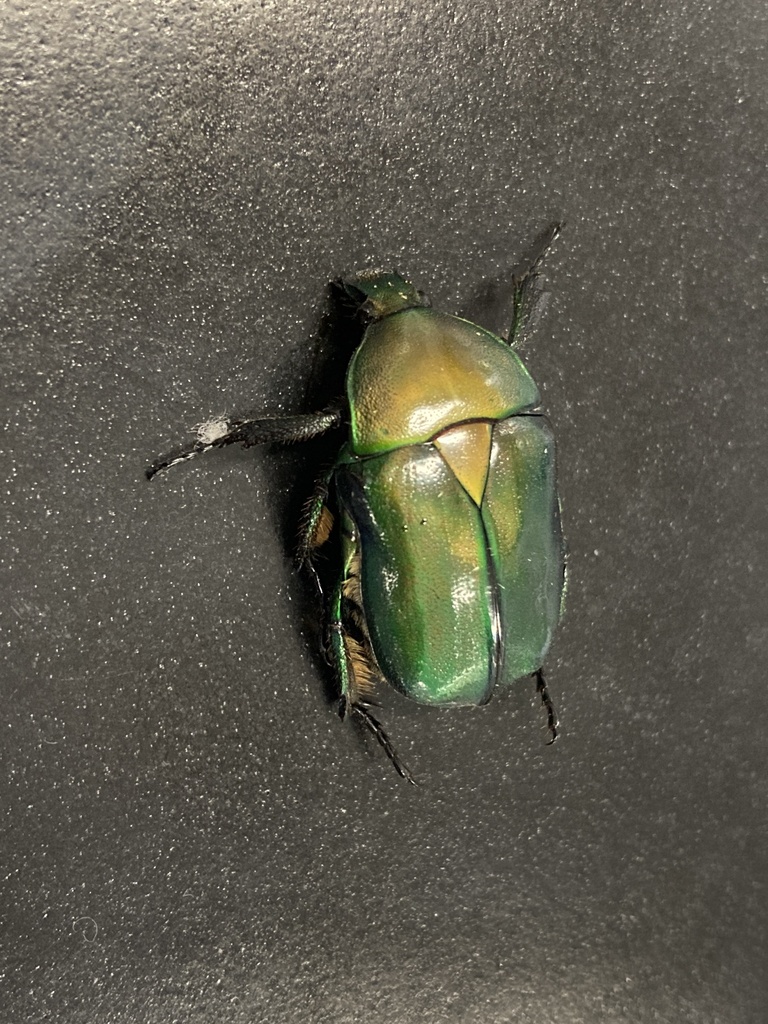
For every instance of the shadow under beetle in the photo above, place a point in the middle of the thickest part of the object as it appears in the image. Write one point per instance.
(452, 567)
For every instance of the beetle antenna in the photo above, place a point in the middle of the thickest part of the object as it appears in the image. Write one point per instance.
(546, 700)
(375, 726)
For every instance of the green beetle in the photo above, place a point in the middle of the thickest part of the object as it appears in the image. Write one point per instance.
(453, 567)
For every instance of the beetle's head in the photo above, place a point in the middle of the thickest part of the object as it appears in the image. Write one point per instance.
(378, 293)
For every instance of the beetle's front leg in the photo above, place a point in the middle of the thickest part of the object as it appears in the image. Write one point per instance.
(527, 292)
(248, 431)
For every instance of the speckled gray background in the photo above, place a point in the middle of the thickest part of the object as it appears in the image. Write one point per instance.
(189, 834)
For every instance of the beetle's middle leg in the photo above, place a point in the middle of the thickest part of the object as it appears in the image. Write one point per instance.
(351, 653)
(315, 530)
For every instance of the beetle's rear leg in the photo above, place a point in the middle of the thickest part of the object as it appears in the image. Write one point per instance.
(546, 700)
(248, 431)
(353, 657)
(528, 294)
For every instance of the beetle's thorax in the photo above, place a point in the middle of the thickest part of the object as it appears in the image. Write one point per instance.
(418, 372)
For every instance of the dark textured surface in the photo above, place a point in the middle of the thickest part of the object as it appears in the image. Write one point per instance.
(188, 832)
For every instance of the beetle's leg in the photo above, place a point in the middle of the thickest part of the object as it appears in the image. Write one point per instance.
(528, 295)
(247, 431)
(546, 700)
(315, 530)
(374, 725)
(353, 657)
(317, 521)
(349, 644)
